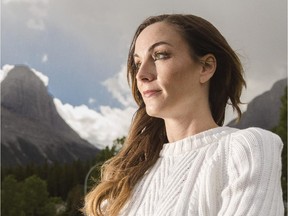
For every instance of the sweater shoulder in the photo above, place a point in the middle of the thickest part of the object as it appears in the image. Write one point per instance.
(251, 148)
(256, 138)
(252, 165)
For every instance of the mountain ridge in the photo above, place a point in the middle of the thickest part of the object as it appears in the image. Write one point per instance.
(264, 110)
(32, 130)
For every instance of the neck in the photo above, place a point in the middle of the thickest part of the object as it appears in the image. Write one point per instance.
(180, 128)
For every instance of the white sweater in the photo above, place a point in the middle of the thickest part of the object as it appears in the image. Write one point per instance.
(222, 171)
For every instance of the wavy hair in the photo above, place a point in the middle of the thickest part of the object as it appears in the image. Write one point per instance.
(147, 134)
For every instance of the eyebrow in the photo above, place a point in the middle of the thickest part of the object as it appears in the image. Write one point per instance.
(153, 46)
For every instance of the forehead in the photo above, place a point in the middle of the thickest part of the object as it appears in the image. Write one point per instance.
(157, 32)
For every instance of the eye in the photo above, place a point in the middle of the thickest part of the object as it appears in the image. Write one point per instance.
(160, 56)
(137, 65)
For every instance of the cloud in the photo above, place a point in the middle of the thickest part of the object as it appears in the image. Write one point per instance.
(260, 40)
(41, 76)
(99, 128)
(4, 71)
(118, 87)
(36, 24)
(91, 100)
(44, 58)
(25, 1)
(103, 127)
(37, 12)
(104, 31)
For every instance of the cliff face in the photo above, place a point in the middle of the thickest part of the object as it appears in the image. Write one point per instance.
(31, 129)
(264, 110)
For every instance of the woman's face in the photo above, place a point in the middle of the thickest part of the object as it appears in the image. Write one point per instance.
(167, 78)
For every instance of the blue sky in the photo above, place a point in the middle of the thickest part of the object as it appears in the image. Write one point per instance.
(79, 45)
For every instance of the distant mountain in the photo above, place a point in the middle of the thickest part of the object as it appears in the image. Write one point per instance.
(264, 110)
(32, 131)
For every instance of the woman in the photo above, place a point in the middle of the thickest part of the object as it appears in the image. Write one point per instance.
(177, 159)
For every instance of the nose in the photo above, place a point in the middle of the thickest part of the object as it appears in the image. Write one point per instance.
(146, 72)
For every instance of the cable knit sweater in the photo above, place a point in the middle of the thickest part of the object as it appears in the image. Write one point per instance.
(222, 171)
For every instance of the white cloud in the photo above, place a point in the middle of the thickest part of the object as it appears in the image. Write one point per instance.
(91, 100)
(118, 87)
(38, 13)
(41, 76)
(36, 24)
(37, 10)
(103, 127)
(99, 128)
(44, 58)
(4, 71)
(259, 39)
(25, 1)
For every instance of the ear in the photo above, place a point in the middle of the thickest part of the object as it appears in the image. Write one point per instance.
(209, 65)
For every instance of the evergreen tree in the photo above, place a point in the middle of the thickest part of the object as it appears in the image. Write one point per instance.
(281, 130)
(105, 154)
(59, 180)
(11, 198)
(27, 198)
(75, 201)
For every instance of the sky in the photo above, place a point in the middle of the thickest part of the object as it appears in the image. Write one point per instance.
(81, 47)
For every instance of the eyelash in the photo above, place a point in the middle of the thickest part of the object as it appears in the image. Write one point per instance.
(156, 56)
(164, 55)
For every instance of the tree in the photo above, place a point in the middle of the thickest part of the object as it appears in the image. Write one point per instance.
(27, 198)
(36, 197)
(281, 130)
(11, 203)
(93, 176)
(75, 200)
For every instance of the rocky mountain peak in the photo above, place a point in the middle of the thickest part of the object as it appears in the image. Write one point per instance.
(32, 130)
(22, 92)
(264, 110)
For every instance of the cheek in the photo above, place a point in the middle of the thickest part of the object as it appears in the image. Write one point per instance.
(170, 72)
(180, 75)
(182, 82)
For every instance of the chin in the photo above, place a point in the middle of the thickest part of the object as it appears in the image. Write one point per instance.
(154, 113)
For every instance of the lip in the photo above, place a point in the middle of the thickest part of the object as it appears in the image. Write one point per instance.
(150, 93)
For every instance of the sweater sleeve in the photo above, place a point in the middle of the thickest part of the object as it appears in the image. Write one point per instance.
(253, 175)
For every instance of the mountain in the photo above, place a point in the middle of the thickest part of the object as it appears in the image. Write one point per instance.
(32, 131)
(264, 110)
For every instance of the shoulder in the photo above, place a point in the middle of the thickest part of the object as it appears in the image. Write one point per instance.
(253, 149)
(251, 173)
(256, 138)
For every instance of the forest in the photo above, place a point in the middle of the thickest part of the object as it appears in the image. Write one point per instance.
(51, 189)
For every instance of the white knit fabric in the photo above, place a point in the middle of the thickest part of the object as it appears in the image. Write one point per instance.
(222, 171)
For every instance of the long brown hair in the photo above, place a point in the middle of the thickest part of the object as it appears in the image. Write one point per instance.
(147, 134)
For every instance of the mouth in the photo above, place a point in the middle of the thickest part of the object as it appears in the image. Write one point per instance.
(150, 93)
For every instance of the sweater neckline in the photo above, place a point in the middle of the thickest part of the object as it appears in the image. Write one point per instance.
(194, 142)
